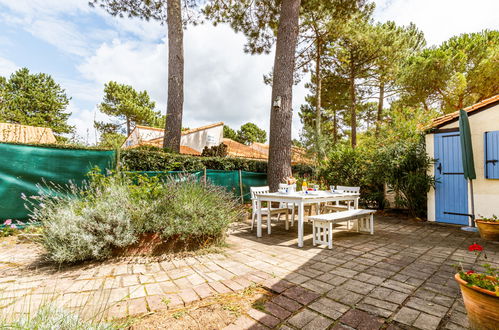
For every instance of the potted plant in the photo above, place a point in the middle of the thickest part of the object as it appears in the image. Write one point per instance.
(480, 291)
(489, 228)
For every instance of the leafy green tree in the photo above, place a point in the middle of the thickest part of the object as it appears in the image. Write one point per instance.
(175, 13)
(125, 103)
(111, 140)
(353, 58)
(249, 133)
(229, 133)
(395, 44)
(34, 99)
(458, 73)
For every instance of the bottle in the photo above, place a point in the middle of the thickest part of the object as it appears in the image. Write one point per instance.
(304, 186)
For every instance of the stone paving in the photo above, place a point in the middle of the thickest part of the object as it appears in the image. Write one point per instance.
(400, 277)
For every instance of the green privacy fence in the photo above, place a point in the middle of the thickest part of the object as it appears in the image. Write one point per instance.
(237, 182)
(23, 167)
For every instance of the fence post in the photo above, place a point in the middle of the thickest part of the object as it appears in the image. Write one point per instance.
(204, 176)
(118, 163)
(241, 186)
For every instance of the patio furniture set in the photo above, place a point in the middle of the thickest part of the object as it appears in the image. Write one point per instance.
(341, 199)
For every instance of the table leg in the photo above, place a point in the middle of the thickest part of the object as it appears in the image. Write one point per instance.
(300, 224)
(269, 227)
(259, 218)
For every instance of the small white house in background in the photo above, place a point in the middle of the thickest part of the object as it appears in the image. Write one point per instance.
(450, 201)
(193, 140)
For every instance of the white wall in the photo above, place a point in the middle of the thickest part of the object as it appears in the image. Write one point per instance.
(207, 137)
(486, 191)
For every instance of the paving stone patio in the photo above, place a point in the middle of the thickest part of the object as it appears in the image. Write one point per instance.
(401, 277)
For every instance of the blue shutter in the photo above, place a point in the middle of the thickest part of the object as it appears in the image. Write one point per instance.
(492, 155)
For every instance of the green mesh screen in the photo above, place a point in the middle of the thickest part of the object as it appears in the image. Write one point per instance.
(23, 167)
(227, 179)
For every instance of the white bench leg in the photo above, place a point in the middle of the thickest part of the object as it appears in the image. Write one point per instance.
(330, 234)
(371, 224)
(313, 233)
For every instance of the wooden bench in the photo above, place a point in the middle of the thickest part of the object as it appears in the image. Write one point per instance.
(323, 224)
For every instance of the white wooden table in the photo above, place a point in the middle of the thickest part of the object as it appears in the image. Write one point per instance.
(300, 199)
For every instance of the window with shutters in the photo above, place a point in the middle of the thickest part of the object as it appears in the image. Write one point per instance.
(492, 155)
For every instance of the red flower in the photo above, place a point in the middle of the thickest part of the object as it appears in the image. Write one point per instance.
(469, 272)
(475, 247)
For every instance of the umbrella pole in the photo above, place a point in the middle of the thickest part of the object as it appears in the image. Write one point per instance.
(472, 205)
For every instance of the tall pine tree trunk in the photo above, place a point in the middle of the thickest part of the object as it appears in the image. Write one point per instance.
(353, 110)
(381, 99)
(318, 100)
(128, 128)
(175, 103)
(282, 90)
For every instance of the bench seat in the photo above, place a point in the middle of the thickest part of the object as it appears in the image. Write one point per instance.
(323, 224)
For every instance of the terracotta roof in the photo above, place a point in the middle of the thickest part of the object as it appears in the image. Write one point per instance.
(150, 128)
(236, 149)
(453, 116)
(25, 134)
(185, 132)
(202, 128)
(185, 150)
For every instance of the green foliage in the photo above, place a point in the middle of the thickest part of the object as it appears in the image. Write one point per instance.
(249, 133)
(125, 103)
(111, 140)
(154, 159)
(401, 165)
(405, 167)
(34, 99)
(458, 73)
(85, 224)
(49, 317)
(215, 151)
(355, 167)
(111, 211)
(488, 279)
(192, 212)
(229, 133)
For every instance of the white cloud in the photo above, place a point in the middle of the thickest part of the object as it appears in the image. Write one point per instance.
(61, 34)
(441, 19)
(7, 67)
(221, 82)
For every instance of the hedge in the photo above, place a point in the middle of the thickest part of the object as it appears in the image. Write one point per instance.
(150, 160)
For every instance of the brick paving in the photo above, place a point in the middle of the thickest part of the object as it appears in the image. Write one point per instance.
(399, 278)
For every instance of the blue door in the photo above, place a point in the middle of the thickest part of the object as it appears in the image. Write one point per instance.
(451, 190)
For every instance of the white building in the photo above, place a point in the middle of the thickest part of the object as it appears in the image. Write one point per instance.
(192, 141)
(450, 201)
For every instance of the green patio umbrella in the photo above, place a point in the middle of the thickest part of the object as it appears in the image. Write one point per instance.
(467, 155)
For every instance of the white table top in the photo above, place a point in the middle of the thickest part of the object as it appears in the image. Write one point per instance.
(309, 195)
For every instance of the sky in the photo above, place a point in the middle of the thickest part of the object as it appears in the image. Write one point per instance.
(83, 48)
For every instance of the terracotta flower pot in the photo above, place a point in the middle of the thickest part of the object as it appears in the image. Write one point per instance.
(488, 230)
(482, 306)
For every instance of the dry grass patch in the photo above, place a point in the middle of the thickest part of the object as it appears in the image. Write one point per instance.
(212, 313)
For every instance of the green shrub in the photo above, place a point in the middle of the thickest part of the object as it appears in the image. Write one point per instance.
(89, 223)
(155, 159)
(401, 165)
(356, 167)
(190, 211)
(110, 212)
(405, 171)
